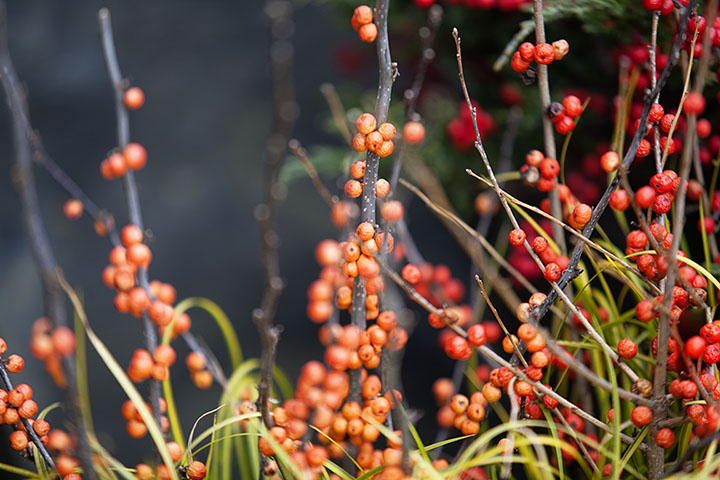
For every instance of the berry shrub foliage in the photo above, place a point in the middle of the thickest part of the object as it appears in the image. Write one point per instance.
(574, 161)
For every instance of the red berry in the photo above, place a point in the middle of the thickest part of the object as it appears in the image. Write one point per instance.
(476, 335)
(645, 196)
(712, 353)
(549, 168)
(517, 237)
(662, 204)
(641, 415)
(552, 272)
(527, 51)
(609, 162)
(619, 200)
(656, 110)
(627, 348)
(411, 274)
(643, 149)
(694, 103)
(665, 438)
(572, 105)
(544, 53)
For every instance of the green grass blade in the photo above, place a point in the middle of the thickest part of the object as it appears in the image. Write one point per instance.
(119, 373)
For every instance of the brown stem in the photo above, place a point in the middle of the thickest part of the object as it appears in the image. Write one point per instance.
(548, 134)
(279, 14)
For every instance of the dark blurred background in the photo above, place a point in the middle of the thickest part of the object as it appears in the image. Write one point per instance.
(204, 69)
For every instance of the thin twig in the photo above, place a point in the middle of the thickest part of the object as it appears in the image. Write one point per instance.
(548, 129)
(500, 322)
(336, 109)
(297, 149)
(279, 14)
(131, 192)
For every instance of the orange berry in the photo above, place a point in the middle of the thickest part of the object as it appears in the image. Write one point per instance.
(382, 187)
(392, 211)
(41, 427)
(135, 156)
(73, 209)
(18, 440)
(139, 254)
(138, 301)
(363, 14)
(357, 170)
(366, 123)
(14, 363)
(164, 355)
(358, 142)
(143, 471)
(116, 165)
(374, 141)
(160, 313)
(385, 149)
(387, 130)
(28, 409)
(196, 470)
(136, 429)
(130, 235)
(413, 133)
(368, 32)
(365, 231)
(459, 404)
(134, 98)
(202, 379)
(353, 188)
(63, 340)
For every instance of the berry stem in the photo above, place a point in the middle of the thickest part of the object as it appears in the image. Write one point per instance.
(548, 135)
(279, 15)
(129, 186)
(386, 77)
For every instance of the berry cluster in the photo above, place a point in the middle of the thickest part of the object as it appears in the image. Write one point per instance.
(542, 53)
(49, 345)
(362, 22)
(132, 157)
(321, 399)
(563, 114)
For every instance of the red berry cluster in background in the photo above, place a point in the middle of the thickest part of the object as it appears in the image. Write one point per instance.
(461, 130)
(502, 5)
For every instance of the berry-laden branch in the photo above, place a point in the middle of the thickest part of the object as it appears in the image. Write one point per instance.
(24, 182)
(7, 384)
(284, 114)
(131, 192)
(548, 135)
(537, 313)
(386, 77)
(504, 202)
